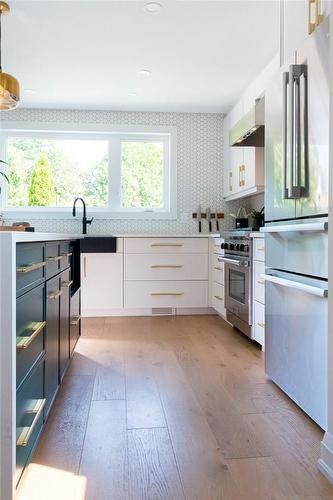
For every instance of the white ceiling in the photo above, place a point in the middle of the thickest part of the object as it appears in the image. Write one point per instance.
(87, 54)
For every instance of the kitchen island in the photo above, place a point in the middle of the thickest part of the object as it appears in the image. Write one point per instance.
(35, 270)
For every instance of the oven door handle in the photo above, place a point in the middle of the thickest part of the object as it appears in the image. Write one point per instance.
(303, 287)
(234, 262)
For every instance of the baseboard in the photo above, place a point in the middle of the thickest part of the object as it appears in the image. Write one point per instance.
(325, 462)
(183, 311)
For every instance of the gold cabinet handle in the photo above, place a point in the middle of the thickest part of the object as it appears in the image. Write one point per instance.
(30, 267)
(167, 293)
(218, 297)
(230, 181)
(55, 295)
(166, 266)
(262, 325)
(85, 266)
(55, 258)
(75, 320)
(319, 17)
(240, 175)
(67, 284)
(218, 268)
(311, 25)
(167, 245)
(23, 341)
(25, 433)
(68, 254)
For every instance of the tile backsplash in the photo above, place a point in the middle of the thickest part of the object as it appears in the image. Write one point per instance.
(199, 168)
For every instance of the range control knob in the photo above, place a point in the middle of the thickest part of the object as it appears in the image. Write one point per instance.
(225, 246)
(232, 246)
(246, 248)
(237, 247)
(242, 247)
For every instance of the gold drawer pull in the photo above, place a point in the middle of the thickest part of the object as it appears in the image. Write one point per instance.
(218, 268)
(25, 433)
(54, 259)
(23, 341)
(30, 267)
(260, 282)
(55, 295)
(67, 284)
(166, 266)
(167, 245)
(167, 293)
(68, 254)
(262, 325)
(311, 25)
(218, 297)
(76, 320)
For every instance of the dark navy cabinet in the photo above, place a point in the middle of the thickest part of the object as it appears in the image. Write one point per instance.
(64, 351)
(46, 333)
(53, 293)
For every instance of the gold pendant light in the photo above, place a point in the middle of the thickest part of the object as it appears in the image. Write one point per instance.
(9, 86)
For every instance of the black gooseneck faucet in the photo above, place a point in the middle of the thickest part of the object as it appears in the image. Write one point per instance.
(85, 221)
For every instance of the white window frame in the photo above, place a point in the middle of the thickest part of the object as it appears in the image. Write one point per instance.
(114, 134)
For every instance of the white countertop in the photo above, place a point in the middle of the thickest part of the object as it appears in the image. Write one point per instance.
(25, 236)
(257, 234)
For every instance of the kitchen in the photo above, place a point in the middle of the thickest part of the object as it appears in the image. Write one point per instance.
(165, 319)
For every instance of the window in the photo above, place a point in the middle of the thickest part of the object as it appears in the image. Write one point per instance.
(118, 175)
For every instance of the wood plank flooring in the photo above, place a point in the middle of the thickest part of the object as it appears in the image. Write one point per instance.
(173, 408)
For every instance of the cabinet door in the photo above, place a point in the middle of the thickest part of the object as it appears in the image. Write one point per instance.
(75, 321)
(64, 322)
(102, 283)
(53, 293)
(237, 165)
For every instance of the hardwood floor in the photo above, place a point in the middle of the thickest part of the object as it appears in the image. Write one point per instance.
(173, 408)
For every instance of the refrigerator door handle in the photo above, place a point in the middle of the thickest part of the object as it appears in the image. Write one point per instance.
(313, 227)
(286, 179)
(313, 290)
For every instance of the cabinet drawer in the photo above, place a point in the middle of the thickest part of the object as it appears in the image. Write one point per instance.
(29, 416)
(166, 245)
(216, 245)
(218, 298)
(52, 259)
(166, 267)
(30, 266)
(217, 270)
(258, 282)
(30, 330)
(259, 249)
(146, 294)
(66, 254)
(259, 323)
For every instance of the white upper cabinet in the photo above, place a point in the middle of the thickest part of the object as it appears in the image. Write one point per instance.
(244, 166)
(299, 18)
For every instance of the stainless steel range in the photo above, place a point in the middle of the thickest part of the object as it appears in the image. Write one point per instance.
(236, 256)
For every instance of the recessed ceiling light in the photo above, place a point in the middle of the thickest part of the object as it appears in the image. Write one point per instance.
(152, 8)
(132, 94)
(144, 72)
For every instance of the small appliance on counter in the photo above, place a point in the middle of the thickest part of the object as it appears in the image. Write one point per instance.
(241, 218)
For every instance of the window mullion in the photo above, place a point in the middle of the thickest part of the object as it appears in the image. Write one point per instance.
(114, 173)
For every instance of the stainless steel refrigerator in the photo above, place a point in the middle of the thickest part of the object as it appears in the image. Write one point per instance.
(296, 214)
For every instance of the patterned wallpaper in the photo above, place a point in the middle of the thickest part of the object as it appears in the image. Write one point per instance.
(199, 168)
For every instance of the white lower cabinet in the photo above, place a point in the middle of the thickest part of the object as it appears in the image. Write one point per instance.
(101, 283)
(156, 294)
(217, 277)
(259, 323)
(258, 304)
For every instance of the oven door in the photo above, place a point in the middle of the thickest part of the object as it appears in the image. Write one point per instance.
(237, 281)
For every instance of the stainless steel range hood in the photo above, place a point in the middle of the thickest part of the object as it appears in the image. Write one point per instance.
(250, 130)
